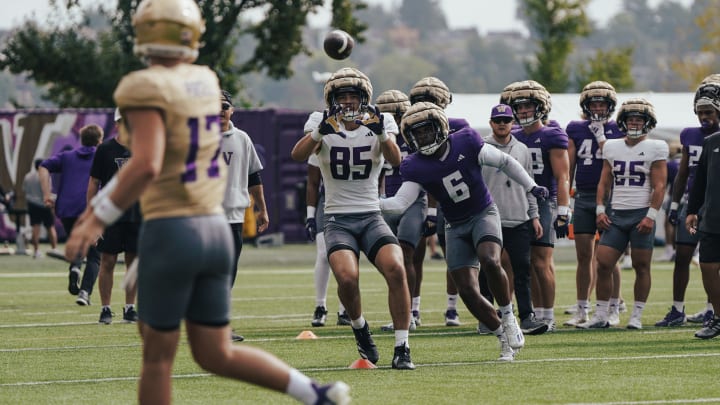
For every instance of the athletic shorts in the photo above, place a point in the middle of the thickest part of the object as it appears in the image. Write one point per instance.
(365, 232)
(320, 212)
(184, 271)
(408, 225)
(709, 247)
(120, 237)
(40, 214)
(547, 210)
(441, 227)
(623, 229)
(682, 236)
(584, 216)
(462, 238)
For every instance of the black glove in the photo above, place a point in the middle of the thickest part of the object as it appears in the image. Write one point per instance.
(311, 228)
(375, 122)
(429, 226)
(673, 217)
(561, 226)
(540, 192)
(329, 123)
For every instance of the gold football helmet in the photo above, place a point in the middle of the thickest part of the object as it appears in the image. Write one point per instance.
(598, 91)
(638, 107)
(394, 102)
(422, 115)
(707, 94)
(168, 29)
(348, 80)
(713, 78)
(530, 91)
(431, 89)
(507, 92)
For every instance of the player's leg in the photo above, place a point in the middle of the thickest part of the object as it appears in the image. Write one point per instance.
(321, 277)
(105, 285)
(418, 263)
(710, 268)
(641, 255)
(584, 275)
(159, 348)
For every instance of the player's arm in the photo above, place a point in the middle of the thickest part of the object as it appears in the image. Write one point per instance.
(405, 196)
(560, 163)
(681, 177)
(391, 150)
(658, 181)
(603, 189)
(306, 146)
(572, 161)
(44, 175)
(492, 156)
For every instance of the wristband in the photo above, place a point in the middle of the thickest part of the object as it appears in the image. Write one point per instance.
(674, 206)
(432, 211)
(106, 211)
(600, 138)
(311, 211)
(316, 135)
(563, 210)
(651, 213)
(600, 209)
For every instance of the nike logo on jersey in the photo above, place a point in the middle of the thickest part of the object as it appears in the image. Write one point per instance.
(538, 141)
(461, 157)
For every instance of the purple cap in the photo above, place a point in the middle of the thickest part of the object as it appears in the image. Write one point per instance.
(501, 110)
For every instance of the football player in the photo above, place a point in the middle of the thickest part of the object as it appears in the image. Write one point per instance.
(352, 140)
(706, 106)
(586, 137)
(449, 167)
(634, 169)
(548, 145)
(171, 112)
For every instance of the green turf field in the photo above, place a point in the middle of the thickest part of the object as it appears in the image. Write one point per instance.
(54, 352)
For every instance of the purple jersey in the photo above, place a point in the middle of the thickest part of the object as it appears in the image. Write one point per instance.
(456, 181)
(692, 140)
(457, 124)
(393, 180)
(588, 155)
(539, 144)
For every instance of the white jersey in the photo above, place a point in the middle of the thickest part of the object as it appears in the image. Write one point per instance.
(238, 152)
(631, 170)
(351, 166)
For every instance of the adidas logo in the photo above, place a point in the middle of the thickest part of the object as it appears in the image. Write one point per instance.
(538, 140)
(461, 157)
(641, 154)
(331, 219)
(608, 132)
(370, 134)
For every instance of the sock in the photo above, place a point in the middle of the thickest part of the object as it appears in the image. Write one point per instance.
(550, 313)
(507, 310)
(679, 305)
(341, 308)
(601, 309)
(322, 271)
(416, 303)
(358, 323)
(127, 307)
(540, 312)
(638, 309)
(452, 300)
(107, 306)
(614, 305)
(300, 387)
(583, 305)
(709, 307)
(401, 338)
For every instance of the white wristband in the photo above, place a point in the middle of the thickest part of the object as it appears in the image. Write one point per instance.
(600, 209)
(316, 135)
(651, 213)
(600, 138)
(311, 211)
(432, 211)
(563, 210)
(106, 211)
(674, 206)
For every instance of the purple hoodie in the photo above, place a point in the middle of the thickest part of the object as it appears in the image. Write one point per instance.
(72, 191)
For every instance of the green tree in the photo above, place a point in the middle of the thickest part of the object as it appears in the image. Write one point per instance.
(613, 66)
(426, 16)
(555, 24)
(692, 68)
(82, 68)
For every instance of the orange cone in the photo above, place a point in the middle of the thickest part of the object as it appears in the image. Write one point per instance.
(362, 364)
(306, 334)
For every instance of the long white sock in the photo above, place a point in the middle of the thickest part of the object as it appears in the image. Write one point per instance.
(322, 271)
(507, 310)
(300, 387)
(452, 300)
(416, 303)
(601, 309)
(638, 309)
(540, 312)
(679, 305)
(401, 337)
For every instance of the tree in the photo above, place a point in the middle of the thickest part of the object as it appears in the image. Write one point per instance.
(555, 24)
(426, 16)
(694, 67)
(613, 66)
(82, 67)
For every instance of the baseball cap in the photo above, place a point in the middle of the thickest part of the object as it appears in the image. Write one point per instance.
(225, 97)
(501, 110)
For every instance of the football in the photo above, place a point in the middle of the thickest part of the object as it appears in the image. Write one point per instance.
(338, 44)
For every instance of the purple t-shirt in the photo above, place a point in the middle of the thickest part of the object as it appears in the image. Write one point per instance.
(72, 191)
(539, 144)
(456, 182)
(692, 141)
(589, 161)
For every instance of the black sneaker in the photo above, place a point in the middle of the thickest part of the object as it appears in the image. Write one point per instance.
(343, 319)
(83, 298)
(235, 337)
(130, 315)
(710, 331)
(74, 281)
(319, 317)
(106, 316)
(365, 345)
(401, 358)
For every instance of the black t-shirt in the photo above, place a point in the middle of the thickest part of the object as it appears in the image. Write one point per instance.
(109, 158)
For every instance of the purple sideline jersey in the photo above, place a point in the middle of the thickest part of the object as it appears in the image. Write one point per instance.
(589, 161)
(74, 165)
(456, 182)
(692, 141)
(540, 143)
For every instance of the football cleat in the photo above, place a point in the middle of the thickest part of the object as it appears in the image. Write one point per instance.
(319, 317)
(672, 318)
(710, 331)
(83, 298)
(532, 326)
(634, 323)
(506, 352)
(106, 316)
(337, 393)
(596, 322)
(365, 344)
(130, 315)
(343, 319)
(401, 358)
(515, 337)
(74, 281)
(452, 318)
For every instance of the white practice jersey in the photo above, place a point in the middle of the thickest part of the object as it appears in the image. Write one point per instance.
(631, 170)
(350, 166)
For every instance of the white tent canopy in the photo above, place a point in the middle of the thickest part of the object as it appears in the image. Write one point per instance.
(674, 110)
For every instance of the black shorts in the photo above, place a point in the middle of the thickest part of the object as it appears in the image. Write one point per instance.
(120, 237)
(709, 247)
(40, 215)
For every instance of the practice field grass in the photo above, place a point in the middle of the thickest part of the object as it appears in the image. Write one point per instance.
(54, 352)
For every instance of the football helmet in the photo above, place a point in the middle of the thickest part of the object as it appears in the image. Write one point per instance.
(394, 102)
(348, 80)
(530, 91)
(707, 94)
(168, 29)
(425, 127)
(598, 91)
(431, 89)
(637, 107)
(713, 78)
(506, 93)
